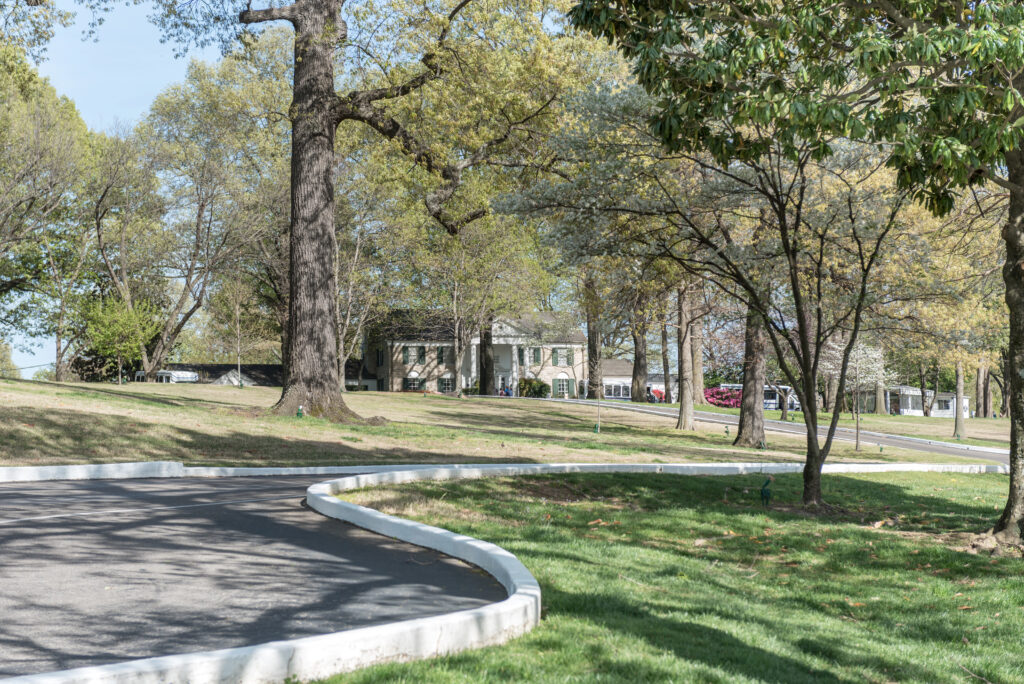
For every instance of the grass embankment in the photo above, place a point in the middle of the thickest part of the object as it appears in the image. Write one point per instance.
(676, 579)
(49, 423)
(993, 432)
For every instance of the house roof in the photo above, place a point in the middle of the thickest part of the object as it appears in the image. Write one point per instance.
(549, 326)
(616, 368)
(416, 324)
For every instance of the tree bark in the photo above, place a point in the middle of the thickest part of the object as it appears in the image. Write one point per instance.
(979, 391)
(988, 412)
(831, 390)
(1010, 526)
(958, 420)
(487, 358)
(666, 368)
(312, 379)
(639, 386)
(697, 349)
(880, 398)
(591, 305)
(751, 428)
(922, 375)
(684, 338)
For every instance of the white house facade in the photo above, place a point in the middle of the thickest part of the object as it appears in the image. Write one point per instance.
(418, 354)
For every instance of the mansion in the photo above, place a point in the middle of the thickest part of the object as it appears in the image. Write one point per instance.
(418, 353)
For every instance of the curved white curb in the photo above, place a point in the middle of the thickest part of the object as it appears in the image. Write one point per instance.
(322, 656)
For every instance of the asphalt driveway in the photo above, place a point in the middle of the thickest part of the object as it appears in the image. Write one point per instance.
(98, 572)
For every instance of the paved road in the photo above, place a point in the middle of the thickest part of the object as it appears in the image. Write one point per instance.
(140, 568)
(797, 428)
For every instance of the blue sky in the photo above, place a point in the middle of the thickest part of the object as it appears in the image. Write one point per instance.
(112, 80)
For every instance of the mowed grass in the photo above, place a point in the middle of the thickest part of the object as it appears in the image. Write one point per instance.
(49, 423)
(979, 431)
(688, 579)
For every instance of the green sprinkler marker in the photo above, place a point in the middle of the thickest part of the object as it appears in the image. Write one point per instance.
(299, 413)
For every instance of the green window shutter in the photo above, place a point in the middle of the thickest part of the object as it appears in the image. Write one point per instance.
(554, 357)
(522, 356)
(569, 357)
(405, 355)
(440, 385)
(421, 355)
(536, 355)
(440, 356)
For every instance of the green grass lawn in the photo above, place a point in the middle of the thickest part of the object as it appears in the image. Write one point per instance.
(50, 423)
(688, 579)
(993, 432)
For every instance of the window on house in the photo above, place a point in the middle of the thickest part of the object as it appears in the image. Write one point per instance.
(414, 384)
(625, 391)
(405, 355)
(421, 354)
(446, 385)
(561, 387)
(536, 355)
(522, 356)
(943, 404)
(440, 356)
(380, 357)
(608, 391)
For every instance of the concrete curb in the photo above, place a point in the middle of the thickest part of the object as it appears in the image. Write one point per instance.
(328, 654)
(101, 471)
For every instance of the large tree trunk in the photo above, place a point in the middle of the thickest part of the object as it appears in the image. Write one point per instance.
(312, 379)
(697, 349)
(979, 391)
(592, 304)
(487, 358)
(988, 410)
(58, 363)
(639, 388)
(667, 370)
(926, 407)
(686, 375)
(958, 420)
(1010, 526)
(880, 398)
(1005, 406)
(751, 428)
(829, 398)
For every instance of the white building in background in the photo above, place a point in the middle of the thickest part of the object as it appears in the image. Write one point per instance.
(617, 375)
(773, 397)
(904, 400)
(415, 351)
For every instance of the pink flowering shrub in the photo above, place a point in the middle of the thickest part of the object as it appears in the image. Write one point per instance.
(727, 398)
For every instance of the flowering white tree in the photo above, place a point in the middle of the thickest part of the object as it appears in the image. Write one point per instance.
(865, 372)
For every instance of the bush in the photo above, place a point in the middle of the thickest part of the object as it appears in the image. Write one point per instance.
(532, 387)
(727, 398)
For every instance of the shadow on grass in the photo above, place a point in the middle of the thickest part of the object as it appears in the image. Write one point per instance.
(61, 436)
(687, 640)
(97, 390)
(576, 431)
